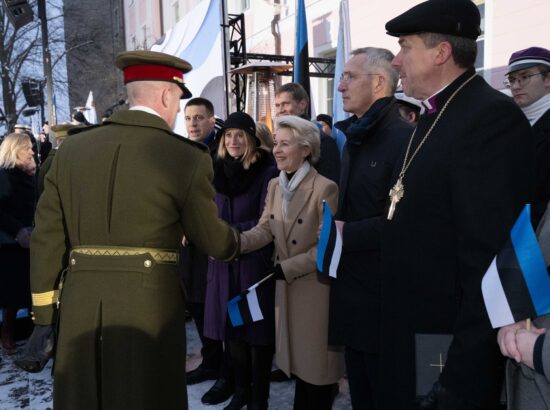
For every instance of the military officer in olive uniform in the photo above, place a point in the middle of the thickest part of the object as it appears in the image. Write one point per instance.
(117, 200)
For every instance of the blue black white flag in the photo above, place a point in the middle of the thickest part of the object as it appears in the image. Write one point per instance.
(329, 248)
(517, 286)
(301, 54)
(245, 308)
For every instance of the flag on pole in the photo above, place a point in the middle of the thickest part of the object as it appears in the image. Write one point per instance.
(329, 249)
(342, 54)
(90, 113)
(301, 55)
(245, 308)
(517, 286)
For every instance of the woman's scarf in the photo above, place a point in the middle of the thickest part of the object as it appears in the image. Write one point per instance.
(288, 188)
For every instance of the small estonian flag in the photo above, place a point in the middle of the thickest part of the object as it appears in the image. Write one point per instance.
(517, 286)
(244, 308)
(329, 249)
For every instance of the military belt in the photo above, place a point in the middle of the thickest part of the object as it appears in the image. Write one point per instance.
(161, 256)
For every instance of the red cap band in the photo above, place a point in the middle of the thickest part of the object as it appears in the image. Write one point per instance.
(151, 72)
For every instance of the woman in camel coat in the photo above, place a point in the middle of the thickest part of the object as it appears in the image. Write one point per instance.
(291, 218)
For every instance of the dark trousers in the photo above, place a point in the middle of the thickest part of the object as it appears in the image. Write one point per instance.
(212, 351)
(362, 371)
(449, 401)
(309, 396)
(252, 370)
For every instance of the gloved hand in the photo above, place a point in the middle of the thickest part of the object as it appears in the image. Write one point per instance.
(279, 274)
(39, 349)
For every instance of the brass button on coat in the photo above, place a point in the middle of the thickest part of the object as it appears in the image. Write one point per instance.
(147, 263)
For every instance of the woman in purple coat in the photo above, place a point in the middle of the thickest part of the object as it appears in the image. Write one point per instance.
(242, 172)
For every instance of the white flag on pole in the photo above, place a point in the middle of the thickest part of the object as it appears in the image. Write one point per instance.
(90, 113)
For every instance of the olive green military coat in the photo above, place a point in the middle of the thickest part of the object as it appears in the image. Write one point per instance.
(129, 183)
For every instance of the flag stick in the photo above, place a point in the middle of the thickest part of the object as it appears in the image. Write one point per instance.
(262, 281)
(528, 325)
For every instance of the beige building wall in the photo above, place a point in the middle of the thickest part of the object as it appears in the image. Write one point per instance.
(510, 25)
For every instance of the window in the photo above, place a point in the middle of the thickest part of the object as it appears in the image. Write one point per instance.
(480, 60)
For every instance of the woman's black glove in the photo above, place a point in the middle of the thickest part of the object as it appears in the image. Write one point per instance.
(279, 274)
(39, 349)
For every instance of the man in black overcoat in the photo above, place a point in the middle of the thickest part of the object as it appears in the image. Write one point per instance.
(462, 184)
(375, 138)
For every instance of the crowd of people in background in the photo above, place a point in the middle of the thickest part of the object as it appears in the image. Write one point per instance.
(136, 226)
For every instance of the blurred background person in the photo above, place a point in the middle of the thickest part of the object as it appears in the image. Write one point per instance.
(242, 172)
(61, 131)
(291, 218)
(325, 122)
(264, 134)
(17, 205)
(409, 108)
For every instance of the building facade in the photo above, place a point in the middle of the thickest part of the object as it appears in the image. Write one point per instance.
(508, 25)
(94, 35)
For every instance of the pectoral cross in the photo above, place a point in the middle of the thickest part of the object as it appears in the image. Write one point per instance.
(441, 365)
(396, 193)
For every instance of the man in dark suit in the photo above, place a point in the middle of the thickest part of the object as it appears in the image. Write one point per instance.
(117, 201)
(464, 179)
(375, 137)
(292, 99)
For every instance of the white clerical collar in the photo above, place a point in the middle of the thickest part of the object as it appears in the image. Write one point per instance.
(428, 105)
(145, 109)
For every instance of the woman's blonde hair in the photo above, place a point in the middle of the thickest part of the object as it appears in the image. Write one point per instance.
(251, 153)
(12, 145)
(305, 132)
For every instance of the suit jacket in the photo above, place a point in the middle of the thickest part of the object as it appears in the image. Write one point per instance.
(302, 301)
(463, 193)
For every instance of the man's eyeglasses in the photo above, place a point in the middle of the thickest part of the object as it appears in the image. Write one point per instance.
(520, 80)
(347, 77)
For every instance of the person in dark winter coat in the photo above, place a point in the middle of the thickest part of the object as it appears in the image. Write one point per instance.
(17, 204)
(241, 175)
(529, 81)
(464, 178)
(528, 349)
(376, 135)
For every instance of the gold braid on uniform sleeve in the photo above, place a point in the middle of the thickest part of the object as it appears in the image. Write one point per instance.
(45, 298)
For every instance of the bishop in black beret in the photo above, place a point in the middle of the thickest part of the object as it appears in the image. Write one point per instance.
(459, 18)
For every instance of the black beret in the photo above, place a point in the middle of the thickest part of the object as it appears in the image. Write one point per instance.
(153, 66)
(459, 18)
